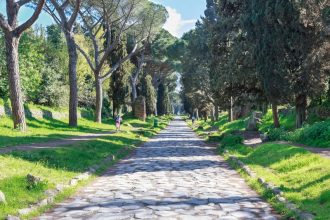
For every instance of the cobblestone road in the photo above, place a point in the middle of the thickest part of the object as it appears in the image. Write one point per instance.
(173, 176)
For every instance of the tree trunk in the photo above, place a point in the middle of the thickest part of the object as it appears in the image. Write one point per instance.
(18, 113)
(73, 101)
(230, 117)
(231, 114)
(99, 101)
(216, 112)
(134, 90)
(116, 107)
(275, 116)
(264, 108)
(301, 105)
(213, 114)
(197, 114)
(205, 116)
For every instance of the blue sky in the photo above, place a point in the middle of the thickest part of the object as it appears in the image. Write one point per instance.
(183, 14)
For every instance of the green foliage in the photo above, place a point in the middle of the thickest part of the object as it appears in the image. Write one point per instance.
(231, 140)
(287, 121)
(317, 134)
(119, 90)
(31, 63)
(4, 93)
(163, 100)
(277, 134)
(230, 127)
(148, 91)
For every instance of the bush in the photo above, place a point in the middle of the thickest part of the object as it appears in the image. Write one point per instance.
(232, 140)
(317, 134)
(277, 134)
(215, 138)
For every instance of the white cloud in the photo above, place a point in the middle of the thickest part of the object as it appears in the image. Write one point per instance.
(176, 25)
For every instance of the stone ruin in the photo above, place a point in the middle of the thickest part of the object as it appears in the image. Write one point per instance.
(140, 110)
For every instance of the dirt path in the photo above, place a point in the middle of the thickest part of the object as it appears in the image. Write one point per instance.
(323, 152)
(54, 143)
(253, 139)
(173, 176)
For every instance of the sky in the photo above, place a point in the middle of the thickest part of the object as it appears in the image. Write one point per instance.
(183, 14)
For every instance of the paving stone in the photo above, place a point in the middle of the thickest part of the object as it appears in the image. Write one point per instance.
(242, 214)
(173, 176)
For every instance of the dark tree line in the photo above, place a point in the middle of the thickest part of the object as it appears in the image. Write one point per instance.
(253, 54)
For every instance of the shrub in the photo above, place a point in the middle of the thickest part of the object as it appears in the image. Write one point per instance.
(215, 138)
(317, 134)
(277, 134)
(232, 140)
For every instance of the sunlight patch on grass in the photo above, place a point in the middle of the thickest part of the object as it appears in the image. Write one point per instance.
(304, 177)
(59, 165)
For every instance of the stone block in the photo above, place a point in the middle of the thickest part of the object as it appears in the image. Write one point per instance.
(140, 108)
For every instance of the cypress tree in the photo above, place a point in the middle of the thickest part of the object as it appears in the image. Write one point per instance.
(119, 89)
(163, 100)
(149, 93)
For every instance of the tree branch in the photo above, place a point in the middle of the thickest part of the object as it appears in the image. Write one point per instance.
(115, 67)
(4, 24)
(86, 57)
(74, 14)
(20, 29)
(23, 2)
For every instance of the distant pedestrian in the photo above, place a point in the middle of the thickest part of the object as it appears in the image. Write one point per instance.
(193, 120)
(118, 120)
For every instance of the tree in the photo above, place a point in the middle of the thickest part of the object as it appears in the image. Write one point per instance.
(155, 16)
(99, 18)
(195, 71)
(148, 91)
(289, 51)
(119, 80)
(163, 100)
(65, 14)
(12, 32)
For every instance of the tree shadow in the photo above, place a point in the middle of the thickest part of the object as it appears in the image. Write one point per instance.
(7, 108)
(179, 202)
(77, 157)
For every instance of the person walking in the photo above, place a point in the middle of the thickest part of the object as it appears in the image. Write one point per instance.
(118, 120)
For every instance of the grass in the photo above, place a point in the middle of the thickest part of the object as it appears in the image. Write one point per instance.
(42, 130)
(287, 122)
(304, 177)
(314, 133)
(220, 128)
(58, 166)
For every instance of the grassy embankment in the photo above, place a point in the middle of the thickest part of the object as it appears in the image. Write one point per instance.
(314, 133)
(46, 129)
(304, 177)
(58, 166)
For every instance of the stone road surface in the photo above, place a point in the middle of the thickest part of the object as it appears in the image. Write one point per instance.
(173, 176)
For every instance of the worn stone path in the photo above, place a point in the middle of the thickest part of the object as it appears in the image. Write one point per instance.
(173, 176)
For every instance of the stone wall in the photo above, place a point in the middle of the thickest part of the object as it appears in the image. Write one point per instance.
(140, 108)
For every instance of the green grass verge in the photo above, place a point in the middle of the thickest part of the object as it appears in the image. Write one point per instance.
(219, 128)
(43, 130)
(58, 166)
(304, 177)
